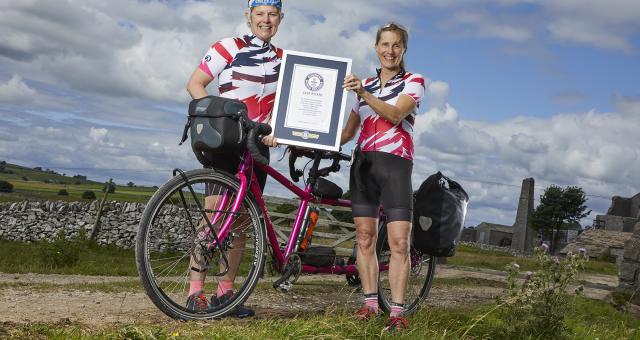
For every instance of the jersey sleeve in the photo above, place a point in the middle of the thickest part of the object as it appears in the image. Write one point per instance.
(218, 57)
(415, 88)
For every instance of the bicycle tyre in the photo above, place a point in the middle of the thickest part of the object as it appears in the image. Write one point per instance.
(420, 278)
(163, 221)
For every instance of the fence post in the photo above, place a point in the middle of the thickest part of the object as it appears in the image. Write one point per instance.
(96, 225)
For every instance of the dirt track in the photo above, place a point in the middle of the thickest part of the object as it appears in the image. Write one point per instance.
(29, 298)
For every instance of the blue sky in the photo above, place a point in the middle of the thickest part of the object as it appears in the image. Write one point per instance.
(516, 88)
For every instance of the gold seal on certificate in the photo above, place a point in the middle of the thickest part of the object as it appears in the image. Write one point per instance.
(310, 101)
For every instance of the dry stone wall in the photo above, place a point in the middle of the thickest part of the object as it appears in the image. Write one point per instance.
(33, 221)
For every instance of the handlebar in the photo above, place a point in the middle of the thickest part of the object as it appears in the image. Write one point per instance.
(317, 156)
(255, 131)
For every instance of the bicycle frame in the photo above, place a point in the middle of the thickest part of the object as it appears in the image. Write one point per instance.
(248, 181)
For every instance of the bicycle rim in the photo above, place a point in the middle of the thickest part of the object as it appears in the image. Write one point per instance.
(173, 239)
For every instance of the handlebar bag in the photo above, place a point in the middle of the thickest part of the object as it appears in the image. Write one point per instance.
(439, 209)
(214, 126)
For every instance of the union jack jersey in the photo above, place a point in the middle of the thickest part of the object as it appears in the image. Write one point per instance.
(247, 69)
(377, 133)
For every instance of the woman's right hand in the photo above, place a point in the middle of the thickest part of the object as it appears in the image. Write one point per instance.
(270, 141)
(353, 83)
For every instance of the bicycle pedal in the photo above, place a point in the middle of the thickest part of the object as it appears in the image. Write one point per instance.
(285, 286)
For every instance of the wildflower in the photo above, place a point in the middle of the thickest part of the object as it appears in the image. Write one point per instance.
(545, 247)
(556, 260)
(515, 266)
(528, 275)
(582, 251)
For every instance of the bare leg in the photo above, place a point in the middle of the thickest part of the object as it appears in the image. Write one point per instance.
(398, 236)
(209, 203)
(367, 261)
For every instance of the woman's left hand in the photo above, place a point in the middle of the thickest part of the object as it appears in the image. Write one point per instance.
(353, 83)
(270, 141)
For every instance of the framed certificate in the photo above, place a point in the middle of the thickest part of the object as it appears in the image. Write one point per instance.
(310, 102)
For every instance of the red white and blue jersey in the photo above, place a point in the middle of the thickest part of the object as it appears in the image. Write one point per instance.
(247, 69)
(377, 133)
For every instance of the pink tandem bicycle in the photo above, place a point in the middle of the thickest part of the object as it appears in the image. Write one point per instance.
(182, 222)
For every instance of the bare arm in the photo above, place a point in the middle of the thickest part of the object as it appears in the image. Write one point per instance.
(350, 130)
(392, 113)
(197, 84)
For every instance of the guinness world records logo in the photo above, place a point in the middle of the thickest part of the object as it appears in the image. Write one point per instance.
(314, 82)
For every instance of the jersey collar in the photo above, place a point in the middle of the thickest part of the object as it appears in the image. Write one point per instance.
(255, 41)
(400, 74)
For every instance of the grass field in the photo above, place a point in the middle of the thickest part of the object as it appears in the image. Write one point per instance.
(589, 320)
(469, 256)
(112, 261)
(43, 185)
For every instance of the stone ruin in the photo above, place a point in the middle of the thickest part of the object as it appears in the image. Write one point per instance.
(629, 270)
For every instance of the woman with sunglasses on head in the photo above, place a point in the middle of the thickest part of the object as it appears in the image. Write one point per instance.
(247, 69)
(385, 112)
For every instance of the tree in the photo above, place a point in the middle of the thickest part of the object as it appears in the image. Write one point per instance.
(131, 184)
(110, 186)
(560, 209)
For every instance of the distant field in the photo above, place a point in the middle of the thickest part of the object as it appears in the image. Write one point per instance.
(43, 185)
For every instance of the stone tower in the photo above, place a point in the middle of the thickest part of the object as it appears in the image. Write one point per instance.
(524, 236)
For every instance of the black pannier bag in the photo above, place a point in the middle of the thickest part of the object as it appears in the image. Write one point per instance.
(214, 127)
(439, 209)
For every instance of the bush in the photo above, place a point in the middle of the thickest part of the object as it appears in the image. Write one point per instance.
(538, 306)
(62, 252)
(24, 178)
(63, 192)
(90, 195)
(6, 186)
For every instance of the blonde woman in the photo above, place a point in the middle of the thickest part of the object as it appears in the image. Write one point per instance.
(385, 114)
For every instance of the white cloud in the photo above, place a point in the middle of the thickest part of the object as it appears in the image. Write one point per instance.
(15, 91)
(114, 73)
(99, 136)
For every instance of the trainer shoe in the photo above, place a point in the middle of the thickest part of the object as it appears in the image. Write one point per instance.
(198, 302)
(396, 324)
(366, 313)
(239, 312)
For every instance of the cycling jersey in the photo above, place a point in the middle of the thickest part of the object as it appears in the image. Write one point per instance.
(377, 133)
(247, 69)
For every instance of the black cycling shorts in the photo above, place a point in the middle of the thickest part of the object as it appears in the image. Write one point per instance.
(381, 178)
(230, 162)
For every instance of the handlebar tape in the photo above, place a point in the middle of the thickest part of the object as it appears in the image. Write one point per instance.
(258, 130)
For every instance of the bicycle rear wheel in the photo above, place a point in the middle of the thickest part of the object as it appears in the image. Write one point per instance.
(421, 273)
(172, 240)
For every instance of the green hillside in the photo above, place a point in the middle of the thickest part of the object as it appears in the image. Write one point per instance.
(43, 184)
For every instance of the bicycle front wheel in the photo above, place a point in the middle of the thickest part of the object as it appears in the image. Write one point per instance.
(173, 244)
(421, 273)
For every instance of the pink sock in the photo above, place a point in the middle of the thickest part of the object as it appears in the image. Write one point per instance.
(195, 286)
(371, 301)
(396, 310)
(223, 287)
